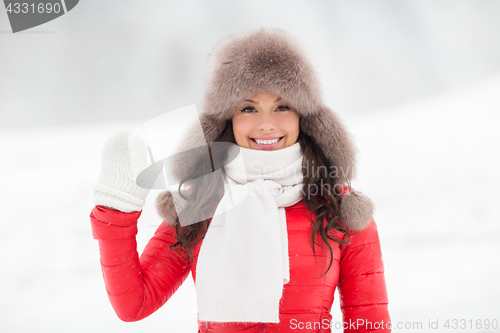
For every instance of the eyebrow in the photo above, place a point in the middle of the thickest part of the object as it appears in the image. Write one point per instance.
(249, 100)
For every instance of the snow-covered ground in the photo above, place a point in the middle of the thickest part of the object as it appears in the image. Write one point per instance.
(431, 168)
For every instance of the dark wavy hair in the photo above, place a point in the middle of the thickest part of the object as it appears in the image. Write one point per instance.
(324, 203)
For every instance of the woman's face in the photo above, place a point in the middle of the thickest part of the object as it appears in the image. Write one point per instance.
(265, 122)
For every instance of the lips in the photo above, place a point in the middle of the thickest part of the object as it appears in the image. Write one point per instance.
(268, 138)
(269, 146)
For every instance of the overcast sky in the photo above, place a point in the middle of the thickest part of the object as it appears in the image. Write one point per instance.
(131, 60)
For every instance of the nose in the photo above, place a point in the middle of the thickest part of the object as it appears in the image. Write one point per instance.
(267, 123)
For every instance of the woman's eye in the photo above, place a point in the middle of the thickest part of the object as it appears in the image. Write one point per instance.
(248, 109)
(283, 108)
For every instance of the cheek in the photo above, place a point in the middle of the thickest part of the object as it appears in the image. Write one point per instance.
(292, 125)
(240, 128)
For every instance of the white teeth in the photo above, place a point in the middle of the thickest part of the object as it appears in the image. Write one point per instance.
(266, 142)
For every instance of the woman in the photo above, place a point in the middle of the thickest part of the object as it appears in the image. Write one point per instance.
(269, 226)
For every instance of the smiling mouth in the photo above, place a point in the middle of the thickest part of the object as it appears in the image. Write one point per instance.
(267, 143)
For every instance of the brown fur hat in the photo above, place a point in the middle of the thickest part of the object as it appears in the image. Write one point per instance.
(270, 60)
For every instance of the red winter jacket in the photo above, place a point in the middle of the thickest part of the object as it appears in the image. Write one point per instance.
(137, 287)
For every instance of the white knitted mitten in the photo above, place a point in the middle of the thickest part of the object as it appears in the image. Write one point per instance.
(124, 157)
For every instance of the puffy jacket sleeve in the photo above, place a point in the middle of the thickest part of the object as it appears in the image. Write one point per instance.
(136, 287)
(362, 289)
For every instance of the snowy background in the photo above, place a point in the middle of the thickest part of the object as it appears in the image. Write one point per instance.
(416, 82)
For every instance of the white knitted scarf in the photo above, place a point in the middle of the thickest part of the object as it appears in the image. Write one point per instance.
(243, 260)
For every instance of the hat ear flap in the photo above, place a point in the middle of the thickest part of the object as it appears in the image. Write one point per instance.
(193, 154)
(330, 134)
(191, 158)
(356, 211)
(166, 207)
